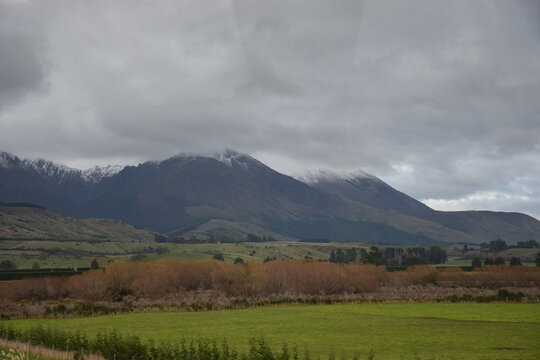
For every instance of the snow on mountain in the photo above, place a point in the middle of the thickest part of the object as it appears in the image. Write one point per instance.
(48, 169)
(59, 172)
(232, 158)
(98, 173)
(5, 159)
(228, 157)
(315, 177)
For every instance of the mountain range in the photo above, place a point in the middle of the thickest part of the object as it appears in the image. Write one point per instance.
(232, 195)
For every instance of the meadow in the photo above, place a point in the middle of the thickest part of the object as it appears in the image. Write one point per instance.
(51, 254)
(386, 331)
(79, 253)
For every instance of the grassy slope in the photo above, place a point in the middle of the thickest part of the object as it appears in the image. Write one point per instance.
(34, 223)
(231, 229)
(393, 331)
(257, 252)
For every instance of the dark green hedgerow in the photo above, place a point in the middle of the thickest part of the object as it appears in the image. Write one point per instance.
(114, 345)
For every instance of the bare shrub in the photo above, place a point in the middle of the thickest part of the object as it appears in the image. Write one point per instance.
(33, 289)
(414, 275)
(91, 285)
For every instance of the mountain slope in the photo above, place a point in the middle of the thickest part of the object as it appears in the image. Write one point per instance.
(485, 225)
(490, 225)
(43, 182)
(370, 190)
(232, 194)
(34, 223)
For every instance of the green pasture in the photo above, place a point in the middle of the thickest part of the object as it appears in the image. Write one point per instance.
(389, 331)
(50, 254)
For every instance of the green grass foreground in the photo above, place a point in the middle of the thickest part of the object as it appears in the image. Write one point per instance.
(390, 331)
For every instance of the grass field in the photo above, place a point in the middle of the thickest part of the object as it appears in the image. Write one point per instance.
(80, 254)
(391, 331)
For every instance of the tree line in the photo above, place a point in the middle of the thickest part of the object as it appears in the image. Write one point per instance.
(499, 245)
(391, 256)
(160, 238)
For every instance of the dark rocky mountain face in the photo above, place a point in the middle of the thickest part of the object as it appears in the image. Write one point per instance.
(369, 190)
(41, 182)
(487, 225)
(234, 193)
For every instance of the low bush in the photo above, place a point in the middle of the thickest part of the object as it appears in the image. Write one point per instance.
(114, 345)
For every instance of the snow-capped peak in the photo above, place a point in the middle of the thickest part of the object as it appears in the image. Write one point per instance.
(48, 168)
(60, 172)
(231, 158)
(315, 177)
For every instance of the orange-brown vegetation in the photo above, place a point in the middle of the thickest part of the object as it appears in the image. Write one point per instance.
(153, 280)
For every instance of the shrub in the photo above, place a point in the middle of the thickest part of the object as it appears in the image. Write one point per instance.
(219, 257)
(7, 265)
(515, 261)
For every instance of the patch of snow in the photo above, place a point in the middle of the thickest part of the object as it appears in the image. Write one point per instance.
(232, 158)
(4, 162)
(98, 173)
(49, 169)
(315, 177)
(6, 159)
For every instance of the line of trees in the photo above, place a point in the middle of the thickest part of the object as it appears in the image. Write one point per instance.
(499, 245)
(390, 256)
(514, 261)
(154, 280)
(160, 238)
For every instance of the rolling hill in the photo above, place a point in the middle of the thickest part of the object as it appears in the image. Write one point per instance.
(27, 222)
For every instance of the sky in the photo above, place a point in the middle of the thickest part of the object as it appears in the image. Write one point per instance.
(441, 99)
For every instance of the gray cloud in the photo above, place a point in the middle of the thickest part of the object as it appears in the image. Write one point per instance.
(23, 64)
(440, 99)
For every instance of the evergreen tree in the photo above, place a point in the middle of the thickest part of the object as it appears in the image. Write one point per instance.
(515, 261)
(350, 255)
(499, 261)
(488, 261)
(7, 265)
(333, 257)
(94, 265)
(376, 257)
(476, 262)
(218, 256)
(340, 257)
(497, 245)
(436, 255)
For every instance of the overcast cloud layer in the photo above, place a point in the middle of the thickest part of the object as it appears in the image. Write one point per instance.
(438, 98)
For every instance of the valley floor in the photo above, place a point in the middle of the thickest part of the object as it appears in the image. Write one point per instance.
(62, 254)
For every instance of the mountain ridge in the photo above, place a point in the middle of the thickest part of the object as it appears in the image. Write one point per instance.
(53, 169)
(187, 195)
